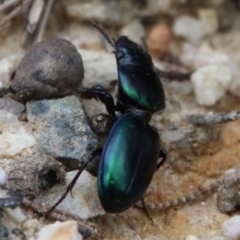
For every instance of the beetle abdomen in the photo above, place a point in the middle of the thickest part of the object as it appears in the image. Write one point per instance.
(127, 163)
(141, 88)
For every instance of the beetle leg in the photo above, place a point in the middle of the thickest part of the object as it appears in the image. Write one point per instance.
(98, 92)
(163, 155)
(72, 183)
(146, 211)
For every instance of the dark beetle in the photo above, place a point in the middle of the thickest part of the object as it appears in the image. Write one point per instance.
(128, 161)
(130, 155)
(139, 85)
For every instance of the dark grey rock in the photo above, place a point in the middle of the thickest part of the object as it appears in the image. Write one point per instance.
(50, 69)
(62, 129)
(9, 198)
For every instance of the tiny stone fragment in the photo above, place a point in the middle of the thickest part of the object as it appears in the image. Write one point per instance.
(210, 83)
(60, 230)
(62, 129)
(10, 105)
(188, 27)
(50, 69)
(9, 198)
(16, 214)
(191, 237)
(6, 70)
(102, 123)
(34, 174)
(228, 197)
(13, 138)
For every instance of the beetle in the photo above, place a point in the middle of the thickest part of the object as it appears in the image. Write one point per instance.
(139, 85)
(128, 162)
(130, 155)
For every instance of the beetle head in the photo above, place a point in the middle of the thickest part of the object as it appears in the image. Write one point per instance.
(129, 52)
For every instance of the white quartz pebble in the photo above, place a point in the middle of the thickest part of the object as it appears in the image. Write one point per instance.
(189, 28)
(191, 237)
(210, 83)
(209, 20)
(16, 214)
(6, 70)
(231, 227)
(14, 137)
(60, 231)
(83, 201)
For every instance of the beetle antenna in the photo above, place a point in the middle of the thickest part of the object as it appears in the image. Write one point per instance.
(111, 42)
(191, 197)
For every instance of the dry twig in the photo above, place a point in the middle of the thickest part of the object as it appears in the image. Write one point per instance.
(214, 118)
(8, 4)
(14, 13)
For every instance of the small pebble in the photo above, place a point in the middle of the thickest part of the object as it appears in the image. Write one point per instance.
(231, 227)
(134, 30)
(11, 105)
(16, 214)
(196, 57)
(189, 28)
(61, 231)
(172, 136)
(6, 70)
(14, 137)
(209, 20)
(100, 68)
(62, 129)
(191, 237)
(158, 40)
(51, 68)
(30, 225)
(210, 83)
(156, 6)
